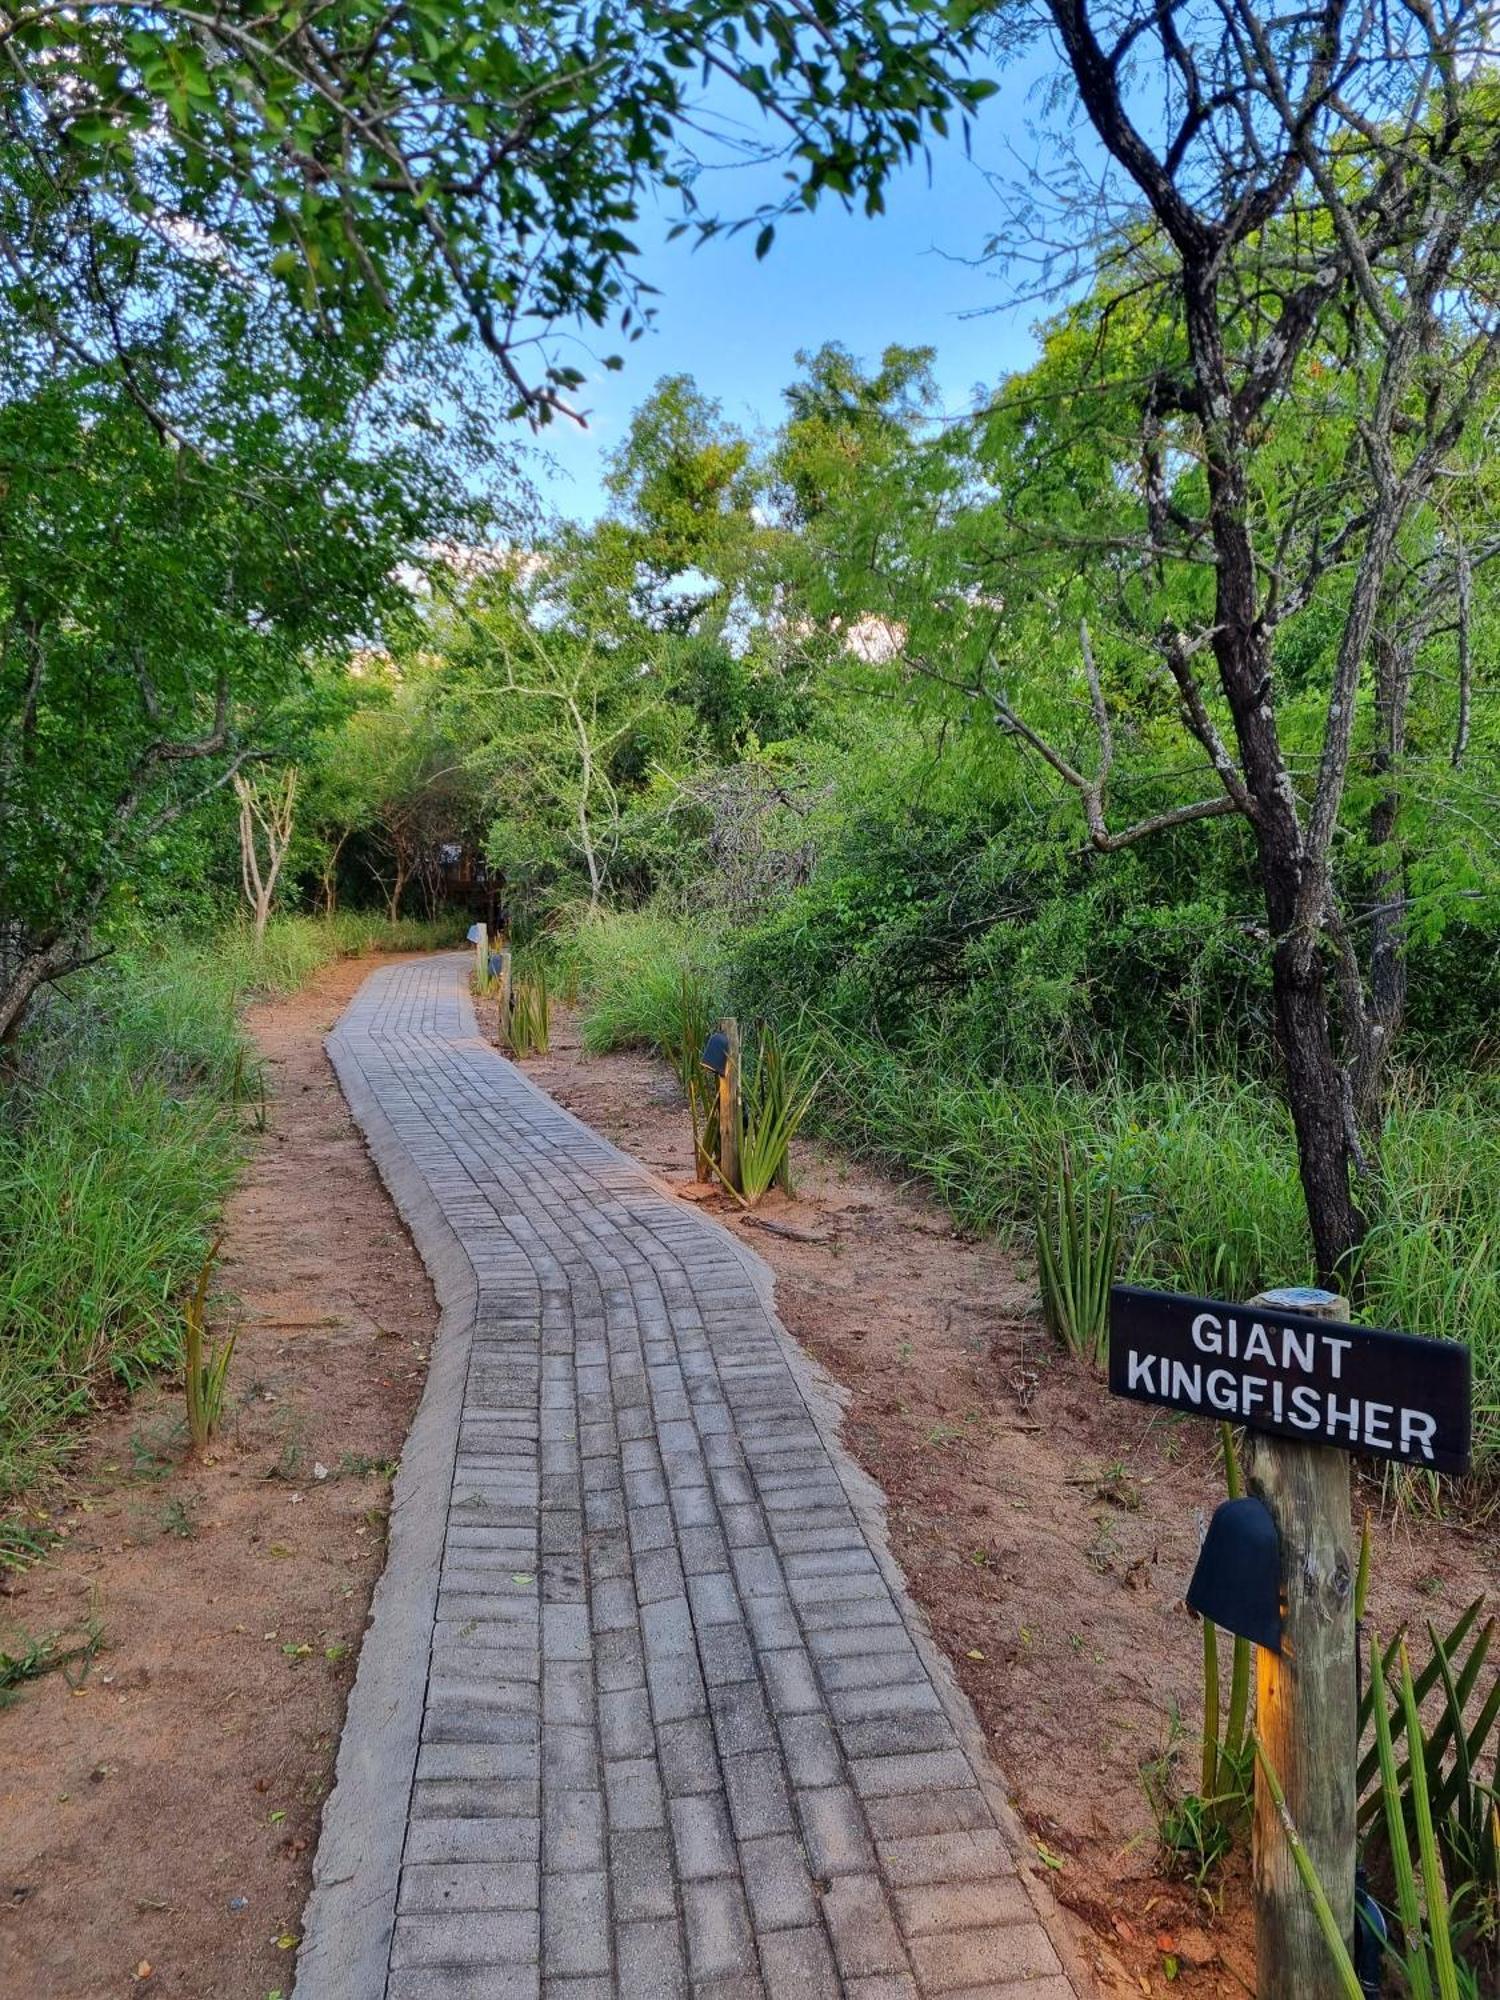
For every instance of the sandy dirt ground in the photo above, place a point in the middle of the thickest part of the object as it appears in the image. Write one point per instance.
(159, 1804)
(1048, 1532)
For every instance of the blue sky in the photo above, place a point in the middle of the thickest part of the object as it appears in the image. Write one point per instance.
(736, 325)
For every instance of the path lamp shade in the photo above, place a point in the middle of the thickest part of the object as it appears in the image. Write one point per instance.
(1238, 1579)
(476, 934)
(715, 1054)
(497, 964)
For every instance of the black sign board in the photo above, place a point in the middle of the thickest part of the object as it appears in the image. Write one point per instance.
(1390, 1395)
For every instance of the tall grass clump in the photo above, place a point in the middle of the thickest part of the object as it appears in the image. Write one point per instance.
(1077, 1243)
(119, 1141)
(123, 1123)
(630, 969)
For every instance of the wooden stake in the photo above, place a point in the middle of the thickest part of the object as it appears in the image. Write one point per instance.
(729, 1110)
(482, 961)
(504, 1004)
(1306, 1703)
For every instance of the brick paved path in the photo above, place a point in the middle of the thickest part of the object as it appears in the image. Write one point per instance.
(644, 1709)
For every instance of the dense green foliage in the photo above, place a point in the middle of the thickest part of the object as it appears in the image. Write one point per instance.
(122, 1128)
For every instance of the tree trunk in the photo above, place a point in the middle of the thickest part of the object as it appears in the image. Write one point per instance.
(1314, 1081)
(23, 977)
(1316, 1095)
(328, 882)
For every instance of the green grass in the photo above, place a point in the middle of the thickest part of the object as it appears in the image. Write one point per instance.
(1203, 1164)
(122, 1129)
(628, 970)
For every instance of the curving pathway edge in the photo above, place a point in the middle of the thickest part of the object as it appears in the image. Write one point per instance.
(643, 1708)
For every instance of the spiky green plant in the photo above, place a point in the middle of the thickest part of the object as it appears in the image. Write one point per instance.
(1078, 1247)
(205, 1361)
(1434, 1913)
(530, 1032)
(776, 1094)
(1459, 1800)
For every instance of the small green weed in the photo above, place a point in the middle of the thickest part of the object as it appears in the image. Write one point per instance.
(205, 1361)
(27, 1656)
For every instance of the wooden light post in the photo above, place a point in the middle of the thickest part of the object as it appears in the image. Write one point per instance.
(729, 1108)
(1306, 1699)
(1310, 1389)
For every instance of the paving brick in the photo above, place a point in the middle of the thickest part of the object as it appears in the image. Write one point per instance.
(943, 1857)
(718, 1929)
(797, 1965)
(812, 1756)
(955, 1906)
(575, 1923)
(568, 1694)
(702, 1838)
(480, 1760)
(777, 1883)
(466, 1982)
(925, 1771)
(619, 1660)
(858, 1917)
(758, 1798)
(633, 1789)
(790, 1682)
(465, 1937)
(475, 1798)
(741, 1718)
(430, 1887)
(950, 1961)
(625, 1723)
(834, 1830)
(640, 1876)
(573, 1832)
(928, 1812)
(897, 1735)
(677, 1688)
(727, 1655)
(688, 1758)
(652, 1962)
(450, 1840)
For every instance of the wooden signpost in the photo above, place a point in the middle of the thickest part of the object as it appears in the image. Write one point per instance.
(1288, 1367)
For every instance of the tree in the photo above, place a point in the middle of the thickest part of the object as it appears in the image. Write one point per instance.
(423, 170)
(1300, 213)
(558, 689)
(403, 779)
(160, 611)
(684, 484)
(268, 809)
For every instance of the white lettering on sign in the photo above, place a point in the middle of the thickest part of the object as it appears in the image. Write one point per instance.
(1350, 1421)
(1142, 1372)
(1283, 1347)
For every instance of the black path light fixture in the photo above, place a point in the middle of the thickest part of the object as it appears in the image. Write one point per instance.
(715, 1054)
(1237, 1581)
